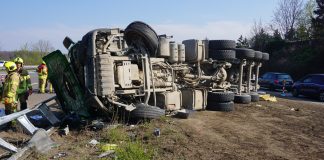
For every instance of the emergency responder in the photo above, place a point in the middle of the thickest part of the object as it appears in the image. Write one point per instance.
(25, 88)
(42, 76)
(10, 86)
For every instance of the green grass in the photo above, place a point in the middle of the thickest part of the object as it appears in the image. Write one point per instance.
(134, 151)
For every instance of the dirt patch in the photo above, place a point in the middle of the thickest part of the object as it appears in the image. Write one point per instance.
(260, 130)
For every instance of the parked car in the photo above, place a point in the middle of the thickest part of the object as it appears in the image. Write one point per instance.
(311, 85)
(276, 80)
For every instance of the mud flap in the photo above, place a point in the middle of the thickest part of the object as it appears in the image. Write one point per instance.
(65, 84)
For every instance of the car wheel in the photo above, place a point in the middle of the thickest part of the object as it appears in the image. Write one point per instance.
(321, 97)
(295, 92)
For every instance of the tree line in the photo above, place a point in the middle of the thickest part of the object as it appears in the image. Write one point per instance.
(294, 39)
(31, 53)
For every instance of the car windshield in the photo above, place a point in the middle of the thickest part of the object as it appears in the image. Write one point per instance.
(283, 76)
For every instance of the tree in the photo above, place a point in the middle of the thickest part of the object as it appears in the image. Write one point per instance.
(318, 20)
(260, 37)
(242, 42)
(304, 24)
(43, 47)
(286, 17)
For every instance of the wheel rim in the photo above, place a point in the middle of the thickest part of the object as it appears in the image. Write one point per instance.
(322, 97)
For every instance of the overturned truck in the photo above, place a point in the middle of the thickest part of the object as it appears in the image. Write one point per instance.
(147, 74)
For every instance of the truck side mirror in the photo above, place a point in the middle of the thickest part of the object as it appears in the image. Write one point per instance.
(67, 42)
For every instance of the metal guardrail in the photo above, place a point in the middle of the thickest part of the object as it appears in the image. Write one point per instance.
(26, 124)
(31, 67)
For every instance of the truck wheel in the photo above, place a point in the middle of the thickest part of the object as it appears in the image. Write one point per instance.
(258, 55)
(221, 44)
(265, 56)
(221, 54)
(147, 112)
(220, 106)
(139, 33)
(220, 96)
(244, 98)
(295, 92)
(254, 97)
(244, 53)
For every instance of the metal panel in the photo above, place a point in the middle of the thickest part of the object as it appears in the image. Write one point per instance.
(27, 125)
(7, 146)
(48, 114)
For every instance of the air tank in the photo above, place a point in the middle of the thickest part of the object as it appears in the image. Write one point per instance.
(173, 52)
(164, 49)
(181, 53)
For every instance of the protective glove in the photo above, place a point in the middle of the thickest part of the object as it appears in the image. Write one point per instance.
(7, 100)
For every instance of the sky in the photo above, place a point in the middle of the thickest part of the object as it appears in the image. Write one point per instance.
(23, 21)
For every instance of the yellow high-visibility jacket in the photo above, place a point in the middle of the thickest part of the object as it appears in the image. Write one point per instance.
(25, 82)
(10, 86)
(42, 71)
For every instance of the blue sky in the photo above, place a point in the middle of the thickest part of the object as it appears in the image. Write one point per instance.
(23, 21)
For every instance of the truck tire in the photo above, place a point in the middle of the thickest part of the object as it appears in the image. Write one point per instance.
(139, 33)
(143, 111)
(265, 56)
(220, 96)
(221, 44)
(221, 54)
(254, 97)
(258, 55)
(244, 53)
(244, 99)
(221, 106)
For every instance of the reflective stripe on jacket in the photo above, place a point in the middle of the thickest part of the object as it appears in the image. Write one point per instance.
(10, 86)
(25, 82)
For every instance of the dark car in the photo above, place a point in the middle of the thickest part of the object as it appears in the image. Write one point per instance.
(311, 85)
(276, 80)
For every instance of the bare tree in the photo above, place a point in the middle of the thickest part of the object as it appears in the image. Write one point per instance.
(43, 46)
(287, 15)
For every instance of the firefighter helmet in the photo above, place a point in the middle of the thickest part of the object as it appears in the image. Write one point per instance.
(10, 66)
(18, 60)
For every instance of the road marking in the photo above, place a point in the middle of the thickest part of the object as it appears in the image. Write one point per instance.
(34, 84)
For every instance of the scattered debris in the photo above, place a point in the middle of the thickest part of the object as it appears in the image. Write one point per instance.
(36, 117)
(183, 113)
(60, 155)
(94, 142)
(65, 131)
(157, 132)
(267, 97)
(294, 109)
(97, 125)
(258, 105)
(108, 147)
(105, 154)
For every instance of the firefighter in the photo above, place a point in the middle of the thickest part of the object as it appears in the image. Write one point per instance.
(25, 88)
(10, 86)
(42, 76)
